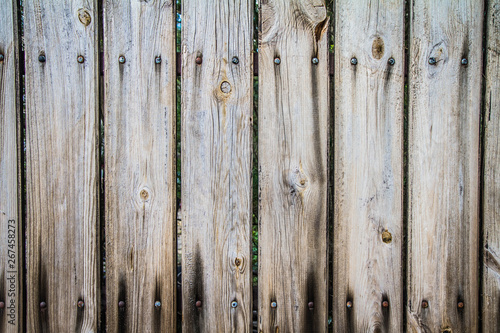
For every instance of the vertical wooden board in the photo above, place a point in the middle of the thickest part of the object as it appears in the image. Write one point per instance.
(216, 165)
(491, 189)
(140, 178)
(368, 213)
(62, 165)
(444, 118)
(293, 166)
(11, 316)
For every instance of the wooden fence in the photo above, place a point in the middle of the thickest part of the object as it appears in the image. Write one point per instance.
(377, 188)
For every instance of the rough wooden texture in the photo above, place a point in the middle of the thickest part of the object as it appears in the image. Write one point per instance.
(216, 165)
(62, 166)
(444, 118)
(368, 168)
(293, 167)
(11, 316)
(140, 177)
(491, 196)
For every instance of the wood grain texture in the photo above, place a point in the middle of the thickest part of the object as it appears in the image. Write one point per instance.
(62, 166)
(11, 316)
(293, 167)
(368, 164)
(140, 178)
(216, 165)
(491, 191)
(444, 118)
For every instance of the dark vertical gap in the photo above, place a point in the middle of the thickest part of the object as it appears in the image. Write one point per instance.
(331, 150)
(178, 25)
(404, 243)
(21, 136)
(482, 134)
(255, 173)
(102, 217)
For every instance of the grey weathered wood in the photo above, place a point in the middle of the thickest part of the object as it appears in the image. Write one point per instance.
(140, 179)
(216, 165)
(62, 166)
(11, 316)
(491, 196)
(444, 118)
(293, 166)
(368, 166)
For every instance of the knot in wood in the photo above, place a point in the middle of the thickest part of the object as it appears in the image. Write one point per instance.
(237, 262)
(225, 87)
(84, 16)
(378, 48)
(386, 237)
(144, 195)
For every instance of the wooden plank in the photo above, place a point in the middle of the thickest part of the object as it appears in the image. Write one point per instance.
(11, 297)
(62, 166)
(491, 190)
(293, 166)
(217, 165)
(140, 179)
(368, 164)
(444, 118)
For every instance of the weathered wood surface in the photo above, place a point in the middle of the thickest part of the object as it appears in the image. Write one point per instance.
(293, 166)
(444, 118)
(11, 316)
(491, 192)
(368, 166)
(216, 165)
(140, 180)
(62, 166)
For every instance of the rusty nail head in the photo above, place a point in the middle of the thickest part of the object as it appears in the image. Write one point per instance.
(391, 61)
(157, 304)
(385, 304)
(158, 60)
(465, 62)
(425, 304)
(349, 304)
(121, 304)
(198, 304)
(121, 59)
(315, 60)
(199, 60)
(432, 61)
(234, 304)
(310, 305)
(274, 304)
(2, 305)
(41, 58)
(460, 305)
(235, 60)
(43, 305)
(277, 61)
(81, 304)
(354, 61)
(1, 57)
(80, 59)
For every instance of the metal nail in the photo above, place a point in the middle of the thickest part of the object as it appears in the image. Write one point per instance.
(354, 61)
(460, 305)
(425, 304)
(81, 304)
(274, 304)
(80, 59)
(465, 62)
(121, 59)
(41, 58)
(158, 60)
(235, 60)
(2, 305)
(310, 305)
(199, 60)
(234, 304)
(349, 304)
(315, 60)
(198, 304)
(391, 61)
(157, 304)
(43, 305)
(121, 304)
(277, 61)
(432, 61)
(385, 304)
(1, 57)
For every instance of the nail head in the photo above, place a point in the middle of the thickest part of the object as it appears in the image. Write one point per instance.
(235, 60)
(81, 304)
(157, 304)
(41, 58)
(310, 305)
(460, 305)
(80, 59)
(2, 305)
(158, 60)
(385, 304)
(199, 60)
(121, 304)
(274, 304)
(349, 304)
(121, 59)
(315, 60)
(354, 61)
(43, 305)
(425, 304)
(198, 304)
(391, 61)
(234, 304)
(432, 61)
(277, 61)
(1, 57)
(465, 62)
